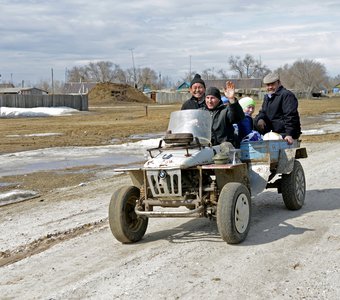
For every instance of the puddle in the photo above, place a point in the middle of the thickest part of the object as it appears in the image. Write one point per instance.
(30, 166)
(59, 158)
(313, 132)
(323, 124)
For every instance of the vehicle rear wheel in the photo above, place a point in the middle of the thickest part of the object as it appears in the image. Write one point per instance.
(125, 225)
(233, 212)
(293, 187)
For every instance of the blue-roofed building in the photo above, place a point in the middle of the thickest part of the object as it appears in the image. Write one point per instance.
(184, 86)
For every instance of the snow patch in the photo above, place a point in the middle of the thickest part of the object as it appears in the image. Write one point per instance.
(16, 196)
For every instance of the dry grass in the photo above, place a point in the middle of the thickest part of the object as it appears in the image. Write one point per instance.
(100, 125)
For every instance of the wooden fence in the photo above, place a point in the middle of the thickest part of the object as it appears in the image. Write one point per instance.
(79, 102)
(171, 97)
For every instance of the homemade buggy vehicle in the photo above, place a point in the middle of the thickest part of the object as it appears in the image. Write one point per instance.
(185, 176)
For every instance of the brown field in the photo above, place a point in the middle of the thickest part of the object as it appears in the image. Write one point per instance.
(100, 125)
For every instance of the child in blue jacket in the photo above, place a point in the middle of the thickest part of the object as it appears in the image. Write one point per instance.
(246, 126)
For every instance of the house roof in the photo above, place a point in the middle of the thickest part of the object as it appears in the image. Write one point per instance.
(18, 90)
(184, 85)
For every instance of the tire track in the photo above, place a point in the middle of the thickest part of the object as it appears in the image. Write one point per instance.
(8, 257)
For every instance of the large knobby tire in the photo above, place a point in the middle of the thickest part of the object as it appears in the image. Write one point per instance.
(293, 187)
(125, 225)
(233, 212)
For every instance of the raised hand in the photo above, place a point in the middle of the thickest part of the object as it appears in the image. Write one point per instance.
(229, 90)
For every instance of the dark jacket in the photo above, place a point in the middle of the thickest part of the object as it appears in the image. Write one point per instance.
(193, 103)
(223, 118)
(280, 112)
(245, 126)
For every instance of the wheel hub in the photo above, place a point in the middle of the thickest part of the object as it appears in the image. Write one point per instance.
(241, 213)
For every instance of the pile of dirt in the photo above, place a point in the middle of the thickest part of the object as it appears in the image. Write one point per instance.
(112, 93)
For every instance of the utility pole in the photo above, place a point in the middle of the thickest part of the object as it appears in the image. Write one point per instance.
(52, 81)
(134, 69)
(190, 68)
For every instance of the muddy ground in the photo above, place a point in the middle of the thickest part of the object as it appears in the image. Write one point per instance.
(59, 245)
(105, 125)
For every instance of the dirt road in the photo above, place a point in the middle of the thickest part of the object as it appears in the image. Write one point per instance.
(59, 246)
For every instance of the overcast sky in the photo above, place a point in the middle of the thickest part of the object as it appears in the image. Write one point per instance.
(168, 36)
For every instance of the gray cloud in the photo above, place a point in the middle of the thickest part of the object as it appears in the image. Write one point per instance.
(39, 35)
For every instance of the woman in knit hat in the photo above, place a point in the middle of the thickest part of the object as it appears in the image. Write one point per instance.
(197, 90)
(223, 117)
(246, 126)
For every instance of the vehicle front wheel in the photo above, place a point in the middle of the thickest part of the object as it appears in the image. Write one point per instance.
(293, 187)
(233, 212)
(125, 225)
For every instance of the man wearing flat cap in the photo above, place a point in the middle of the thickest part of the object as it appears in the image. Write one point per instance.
(279, 112)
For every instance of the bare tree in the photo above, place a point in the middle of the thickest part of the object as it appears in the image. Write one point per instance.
(166, 82)
(102, 71)
(120, 75)
(335, 80)
(332, 82)
(129, 76)
(248, 67)
(147, 77)
(77, 74)
(286, 76)
(222, 74)
(307, 76)
(46, 86)
(208, 74)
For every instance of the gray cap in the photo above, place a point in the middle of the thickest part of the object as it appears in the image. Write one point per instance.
(271, 77)
(213, 91)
